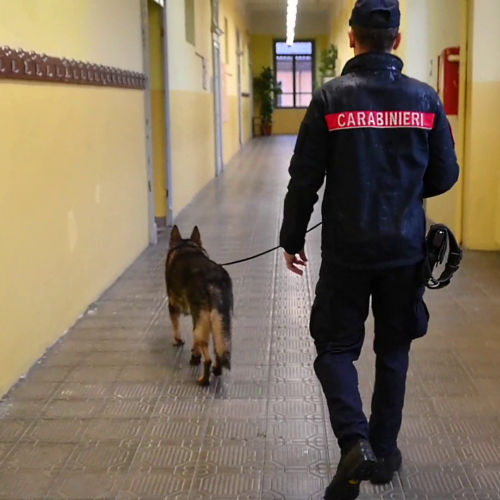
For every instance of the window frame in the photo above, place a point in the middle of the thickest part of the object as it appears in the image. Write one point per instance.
(313, 72)
(191, 41)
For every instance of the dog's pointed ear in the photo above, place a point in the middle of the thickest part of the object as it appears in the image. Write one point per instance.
(196, 236)
(175, 236)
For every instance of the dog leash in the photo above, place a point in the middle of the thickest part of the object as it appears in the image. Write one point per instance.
(262, 253)
(438, 240)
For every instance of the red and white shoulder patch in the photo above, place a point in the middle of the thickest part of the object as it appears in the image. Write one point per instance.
(380, 119)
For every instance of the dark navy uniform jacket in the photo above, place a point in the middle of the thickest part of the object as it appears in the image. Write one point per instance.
(383, 142)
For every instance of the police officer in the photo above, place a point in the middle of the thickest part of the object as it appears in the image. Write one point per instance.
(383, 143)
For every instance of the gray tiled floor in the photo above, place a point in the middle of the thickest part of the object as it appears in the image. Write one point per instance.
(113, 411)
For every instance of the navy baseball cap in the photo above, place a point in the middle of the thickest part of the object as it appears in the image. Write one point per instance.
(362, 14)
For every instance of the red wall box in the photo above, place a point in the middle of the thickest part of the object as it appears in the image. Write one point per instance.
(449, 78)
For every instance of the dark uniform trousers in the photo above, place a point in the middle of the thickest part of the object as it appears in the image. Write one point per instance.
(337, 326)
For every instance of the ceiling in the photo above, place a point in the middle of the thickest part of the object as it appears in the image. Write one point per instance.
(268, 17)
(280, 5)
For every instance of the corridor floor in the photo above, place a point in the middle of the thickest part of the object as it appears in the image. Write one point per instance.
(113, 411)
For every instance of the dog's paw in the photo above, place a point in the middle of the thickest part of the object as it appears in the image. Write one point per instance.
(195, 360)
(217, 370)
(178, 342)
(204, 381)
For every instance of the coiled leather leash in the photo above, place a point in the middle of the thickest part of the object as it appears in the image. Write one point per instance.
(439, 239)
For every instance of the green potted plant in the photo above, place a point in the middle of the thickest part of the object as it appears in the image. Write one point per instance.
(266, 89)
(328, 63)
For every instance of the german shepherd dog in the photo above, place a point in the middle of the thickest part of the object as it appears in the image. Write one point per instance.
(199, 287)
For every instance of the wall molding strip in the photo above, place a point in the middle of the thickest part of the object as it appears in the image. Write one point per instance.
(19, 64)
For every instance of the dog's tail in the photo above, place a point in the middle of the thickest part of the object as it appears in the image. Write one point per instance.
(221, 322)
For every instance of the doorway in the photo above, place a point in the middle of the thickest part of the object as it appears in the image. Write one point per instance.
(154, 33)
(239, 57)
(217, 88)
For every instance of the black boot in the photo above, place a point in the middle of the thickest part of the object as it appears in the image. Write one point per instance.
(358, 464)
(387, 467)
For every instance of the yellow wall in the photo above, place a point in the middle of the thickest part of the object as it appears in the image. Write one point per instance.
(191, 106)
(285, 121)
(339, 37)
(230, 14)
(73, 197)
(157, 106)
(435, 26)
(481, 224)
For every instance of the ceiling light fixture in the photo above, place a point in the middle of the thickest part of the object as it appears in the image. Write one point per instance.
(291, 18)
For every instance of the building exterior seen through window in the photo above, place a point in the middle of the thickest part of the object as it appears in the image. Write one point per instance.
(294, 68)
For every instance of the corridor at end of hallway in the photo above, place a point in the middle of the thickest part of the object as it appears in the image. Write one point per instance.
(113, 410)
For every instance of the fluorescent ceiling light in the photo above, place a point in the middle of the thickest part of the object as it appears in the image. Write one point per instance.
(291, 18)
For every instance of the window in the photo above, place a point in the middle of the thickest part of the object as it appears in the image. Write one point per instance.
(294, 68)
(190, 22)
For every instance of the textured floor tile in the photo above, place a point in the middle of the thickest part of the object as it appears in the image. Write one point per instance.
(241, 390)
(127, 408)
(436, 481)
(182, 408)
(234, 454)
(13, 430)
(239, 409)
(294, 456)
(175, 428)
(38, 456)
(223, 484)
(75, 485)
(36, 391)
(83, 391)
(153, 485)
(15, 410)
(294, 408)
(56, 431)
(25, 483)
(41, 374)
(102, 456)
(236, 429)
(116, 429)
(165, 455)
(294, 484)
(294, 430)
(80, 409)
(5, 448)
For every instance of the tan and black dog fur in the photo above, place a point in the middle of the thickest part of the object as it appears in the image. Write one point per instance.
(199, 287)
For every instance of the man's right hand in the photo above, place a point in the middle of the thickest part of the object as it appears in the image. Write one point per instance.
(292, 261)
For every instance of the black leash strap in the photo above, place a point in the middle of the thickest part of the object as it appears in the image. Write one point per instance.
(439, 239)
(262, 253)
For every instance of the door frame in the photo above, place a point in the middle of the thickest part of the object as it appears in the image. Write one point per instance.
(239, 58)
(217, 88)
(168, 120)
(464, 107)
(152, 228)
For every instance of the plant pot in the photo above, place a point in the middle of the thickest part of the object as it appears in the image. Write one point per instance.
(267, 129)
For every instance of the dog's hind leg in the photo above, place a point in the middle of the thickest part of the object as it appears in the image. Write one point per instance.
(195, 350)
(201, 338)
(175, 314)
(195, 355)
(221, 329)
